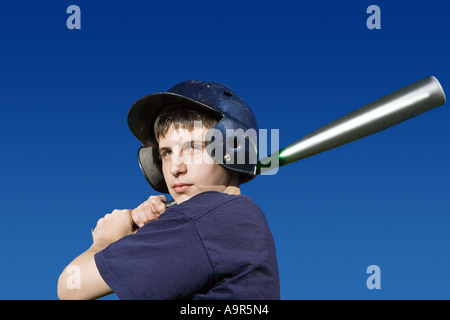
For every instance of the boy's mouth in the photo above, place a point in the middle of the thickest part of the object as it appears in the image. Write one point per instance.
(181, 187)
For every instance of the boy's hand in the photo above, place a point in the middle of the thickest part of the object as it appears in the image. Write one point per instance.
(113, 226)
(149, 210)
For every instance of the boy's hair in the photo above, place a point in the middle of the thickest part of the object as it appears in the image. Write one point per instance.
(183, 118)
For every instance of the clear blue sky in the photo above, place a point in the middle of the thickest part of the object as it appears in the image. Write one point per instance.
(67, 157)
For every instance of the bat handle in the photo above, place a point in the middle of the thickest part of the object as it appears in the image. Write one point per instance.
(169, 204)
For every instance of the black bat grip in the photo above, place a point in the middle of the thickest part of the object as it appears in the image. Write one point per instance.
(170, 204)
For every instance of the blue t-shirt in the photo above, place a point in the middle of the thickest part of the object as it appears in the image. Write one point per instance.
(212, 246)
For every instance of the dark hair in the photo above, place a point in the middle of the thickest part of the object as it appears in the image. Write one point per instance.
(183, 118)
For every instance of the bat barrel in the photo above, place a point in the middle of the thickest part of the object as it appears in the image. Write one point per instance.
(401, 105)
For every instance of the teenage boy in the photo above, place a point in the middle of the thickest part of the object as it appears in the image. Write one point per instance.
(215, 243)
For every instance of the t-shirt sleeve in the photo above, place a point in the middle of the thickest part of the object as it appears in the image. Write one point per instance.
(163, 260)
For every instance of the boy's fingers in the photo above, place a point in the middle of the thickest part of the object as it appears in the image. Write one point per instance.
(159, 197)
(158, 206)
(144, 213)
(138, 216)
(149, 210)
(158, 202)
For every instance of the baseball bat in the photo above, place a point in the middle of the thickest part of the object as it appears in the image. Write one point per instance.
(390, 110)
(401, 105)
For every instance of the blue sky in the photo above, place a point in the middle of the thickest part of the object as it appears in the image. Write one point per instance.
(68, 157)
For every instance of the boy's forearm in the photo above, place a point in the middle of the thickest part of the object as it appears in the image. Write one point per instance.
(81, 279)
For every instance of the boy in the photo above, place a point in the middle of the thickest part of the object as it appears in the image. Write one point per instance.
(215, 243)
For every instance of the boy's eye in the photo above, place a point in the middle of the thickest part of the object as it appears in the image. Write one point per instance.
(195, 147)
(166, 154)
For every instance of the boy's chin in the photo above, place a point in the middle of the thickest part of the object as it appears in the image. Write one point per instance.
(181, 197)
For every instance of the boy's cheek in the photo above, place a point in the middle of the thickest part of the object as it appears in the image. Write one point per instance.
(206, 159)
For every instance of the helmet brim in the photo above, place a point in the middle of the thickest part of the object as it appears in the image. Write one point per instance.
(143, 113)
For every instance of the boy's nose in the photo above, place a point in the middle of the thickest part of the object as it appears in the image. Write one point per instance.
(177, 166)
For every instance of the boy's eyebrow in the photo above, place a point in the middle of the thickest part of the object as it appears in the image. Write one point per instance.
(164, 149)
(184, 144)
(190, 142)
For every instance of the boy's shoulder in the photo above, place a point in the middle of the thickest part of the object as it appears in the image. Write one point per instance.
(212, 201)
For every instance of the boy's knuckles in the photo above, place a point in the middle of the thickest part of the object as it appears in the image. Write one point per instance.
(161, 207)
(135, 215)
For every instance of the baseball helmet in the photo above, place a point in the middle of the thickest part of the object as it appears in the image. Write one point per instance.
(220, 101)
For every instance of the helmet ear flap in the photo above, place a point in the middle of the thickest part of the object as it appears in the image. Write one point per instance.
(151, 168)
(235, 149)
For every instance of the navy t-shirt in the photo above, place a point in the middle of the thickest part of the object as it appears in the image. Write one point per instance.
(212, 246)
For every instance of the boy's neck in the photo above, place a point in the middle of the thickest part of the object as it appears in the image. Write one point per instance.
(232, 190)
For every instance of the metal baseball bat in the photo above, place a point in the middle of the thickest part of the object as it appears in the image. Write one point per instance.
(403, 104)
(406, 103)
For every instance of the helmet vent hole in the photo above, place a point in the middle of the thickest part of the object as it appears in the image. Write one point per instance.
(228, 93)
(234, 143)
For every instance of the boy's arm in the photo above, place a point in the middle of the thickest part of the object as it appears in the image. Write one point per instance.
(81, 279)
